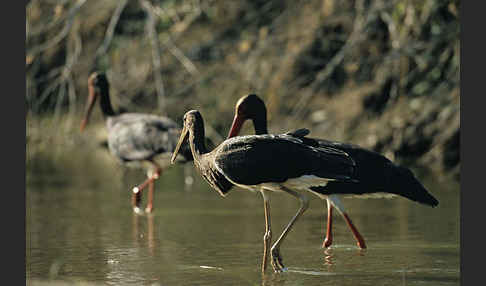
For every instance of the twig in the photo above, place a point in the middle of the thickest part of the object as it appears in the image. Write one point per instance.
(152, 35)
(64, 32)
(177, 30)
(392, 29)
(111, 28)
(62, 74)
(72, 100)
(185, 61)
(67, 76)
(53, 73)
(60, 96)
(34, 31)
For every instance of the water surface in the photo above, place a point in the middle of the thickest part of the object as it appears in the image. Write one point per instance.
(80, 228)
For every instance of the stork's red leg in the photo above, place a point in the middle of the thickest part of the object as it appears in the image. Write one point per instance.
(355, 231)
(154, 176)
(136, 198)
(328, 240)
(143, 185)
(334, 200)
(138, 189)
(149, 206)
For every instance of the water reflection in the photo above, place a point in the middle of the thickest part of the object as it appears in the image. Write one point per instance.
(122, 259)
(328, 257)
(142, 234)
(273, 279)
(79, 225)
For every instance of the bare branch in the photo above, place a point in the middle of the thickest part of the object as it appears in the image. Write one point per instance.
(63, 74)
(177, 29)
(185, 61)
(34, 31)
(111, 28)
(59, 37)
(72, 99)
(60, 97)
(152, 35)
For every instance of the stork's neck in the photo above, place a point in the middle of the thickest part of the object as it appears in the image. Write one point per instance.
(105, 103)
(197, 143)
(260, 124)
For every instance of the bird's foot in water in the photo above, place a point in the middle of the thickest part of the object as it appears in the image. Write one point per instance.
(361, 244)
(277, 261)
(327, 242)
(149, 209)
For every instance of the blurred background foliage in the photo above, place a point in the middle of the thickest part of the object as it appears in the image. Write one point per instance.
(383, 74)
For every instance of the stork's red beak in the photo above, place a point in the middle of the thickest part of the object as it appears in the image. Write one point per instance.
(89, 107)
(236, 126)
(84, 122)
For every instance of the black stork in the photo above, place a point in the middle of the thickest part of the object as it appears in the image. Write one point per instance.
(265, 163)
(373, 173)
(135, 138)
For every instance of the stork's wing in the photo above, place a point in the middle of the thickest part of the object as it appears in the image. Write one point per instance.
(255, 159)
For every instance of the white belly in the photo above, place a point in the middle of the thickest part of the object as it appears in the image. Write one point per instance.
(301, 183)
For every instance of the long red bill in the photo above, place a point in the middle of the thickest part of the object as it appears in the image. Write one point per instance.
(89, 107)
(236, 126)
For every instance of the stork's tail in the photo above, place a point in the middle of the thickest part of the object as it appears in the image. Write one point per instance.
(403, 182)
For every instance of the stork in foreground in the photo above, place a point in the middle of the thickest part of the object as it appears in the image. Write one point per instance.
(373, 173)
(135, 138)
(266, 163)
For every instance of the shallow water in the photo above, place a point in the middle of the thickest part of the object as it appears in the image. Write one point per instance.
(80, 227)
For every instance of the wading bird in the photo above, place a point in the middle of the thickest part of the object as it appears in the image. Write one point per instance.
(373, 173)
(266, 163)
(139, 139)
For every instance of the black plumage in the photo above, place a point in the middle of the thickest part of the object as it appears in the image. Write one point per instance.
(251, 160)
(373, 172)
(377, 174)
(264, 163)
